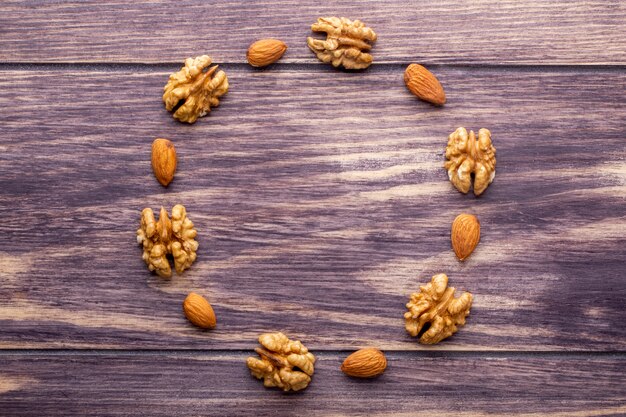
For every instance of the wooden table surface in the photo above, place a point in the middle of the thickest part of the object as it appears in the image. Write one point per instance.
(321, 204)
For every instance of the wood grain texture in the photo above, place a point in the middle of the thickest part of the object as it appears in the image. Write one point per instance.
(455, 31)
(220, 384)
(321, 204)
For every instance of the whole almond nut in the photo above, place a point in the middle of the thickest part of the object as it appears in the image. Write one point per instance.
(163, 160)
(424, 84)
(365, 363)
(198, 311)
(265, 52)
(465, 235)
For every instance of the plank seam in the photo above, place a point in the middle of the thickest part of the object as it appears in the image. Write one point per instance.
(381, 67)
(619, 355)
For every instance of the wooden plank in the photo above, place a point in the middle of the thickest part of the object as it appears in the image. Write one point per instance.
(321, 205)
(452, 32)
(220, 384)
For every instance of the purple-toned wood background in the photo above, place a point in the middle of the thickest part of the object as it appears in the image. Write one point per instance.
(321, 204)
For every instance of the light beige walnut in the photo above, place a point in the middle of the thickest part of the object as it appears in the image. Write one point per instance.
(283, 363)
(191, 92)
(467, 157)
(163, 237)
(434, 313)
(347, 42)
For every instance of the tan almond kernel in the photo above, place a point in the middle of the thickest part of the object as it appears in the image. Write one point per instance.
(198, 311)
(365, 363)
(424, 85)
(163, 160)
(465, 235)
(265, 52)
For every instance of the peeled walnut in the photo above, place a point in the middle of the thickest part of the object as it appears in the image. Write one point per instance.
(164, 237)
(284, 363)
(434, 313)
(467, 157)
(345, 44)
(191, 92)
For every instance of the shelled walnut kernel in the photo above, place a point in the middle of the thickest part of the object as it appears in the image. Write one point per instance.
(466, 157)
(346, 42)
(163, 237)
(284, 363)
(191, 92)
(434, 313)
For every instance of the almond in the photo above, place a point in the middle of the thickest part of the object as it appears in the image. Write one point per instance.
(365, 363)
(424, 84)
(163, 160)
(265, 52)
(465, 235)
(198, 311)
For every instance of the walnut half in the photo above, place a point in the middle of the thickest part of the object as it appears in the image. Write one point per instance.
(467, 156)
(434, 313)
(346, 42)
(163, 237)
(191, 92)
(284, 363)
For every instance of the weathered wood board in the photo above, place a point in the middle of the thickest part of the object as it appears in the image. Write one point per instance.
(434, 32)
(321, 204)
(163, 384)
(312, 216)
